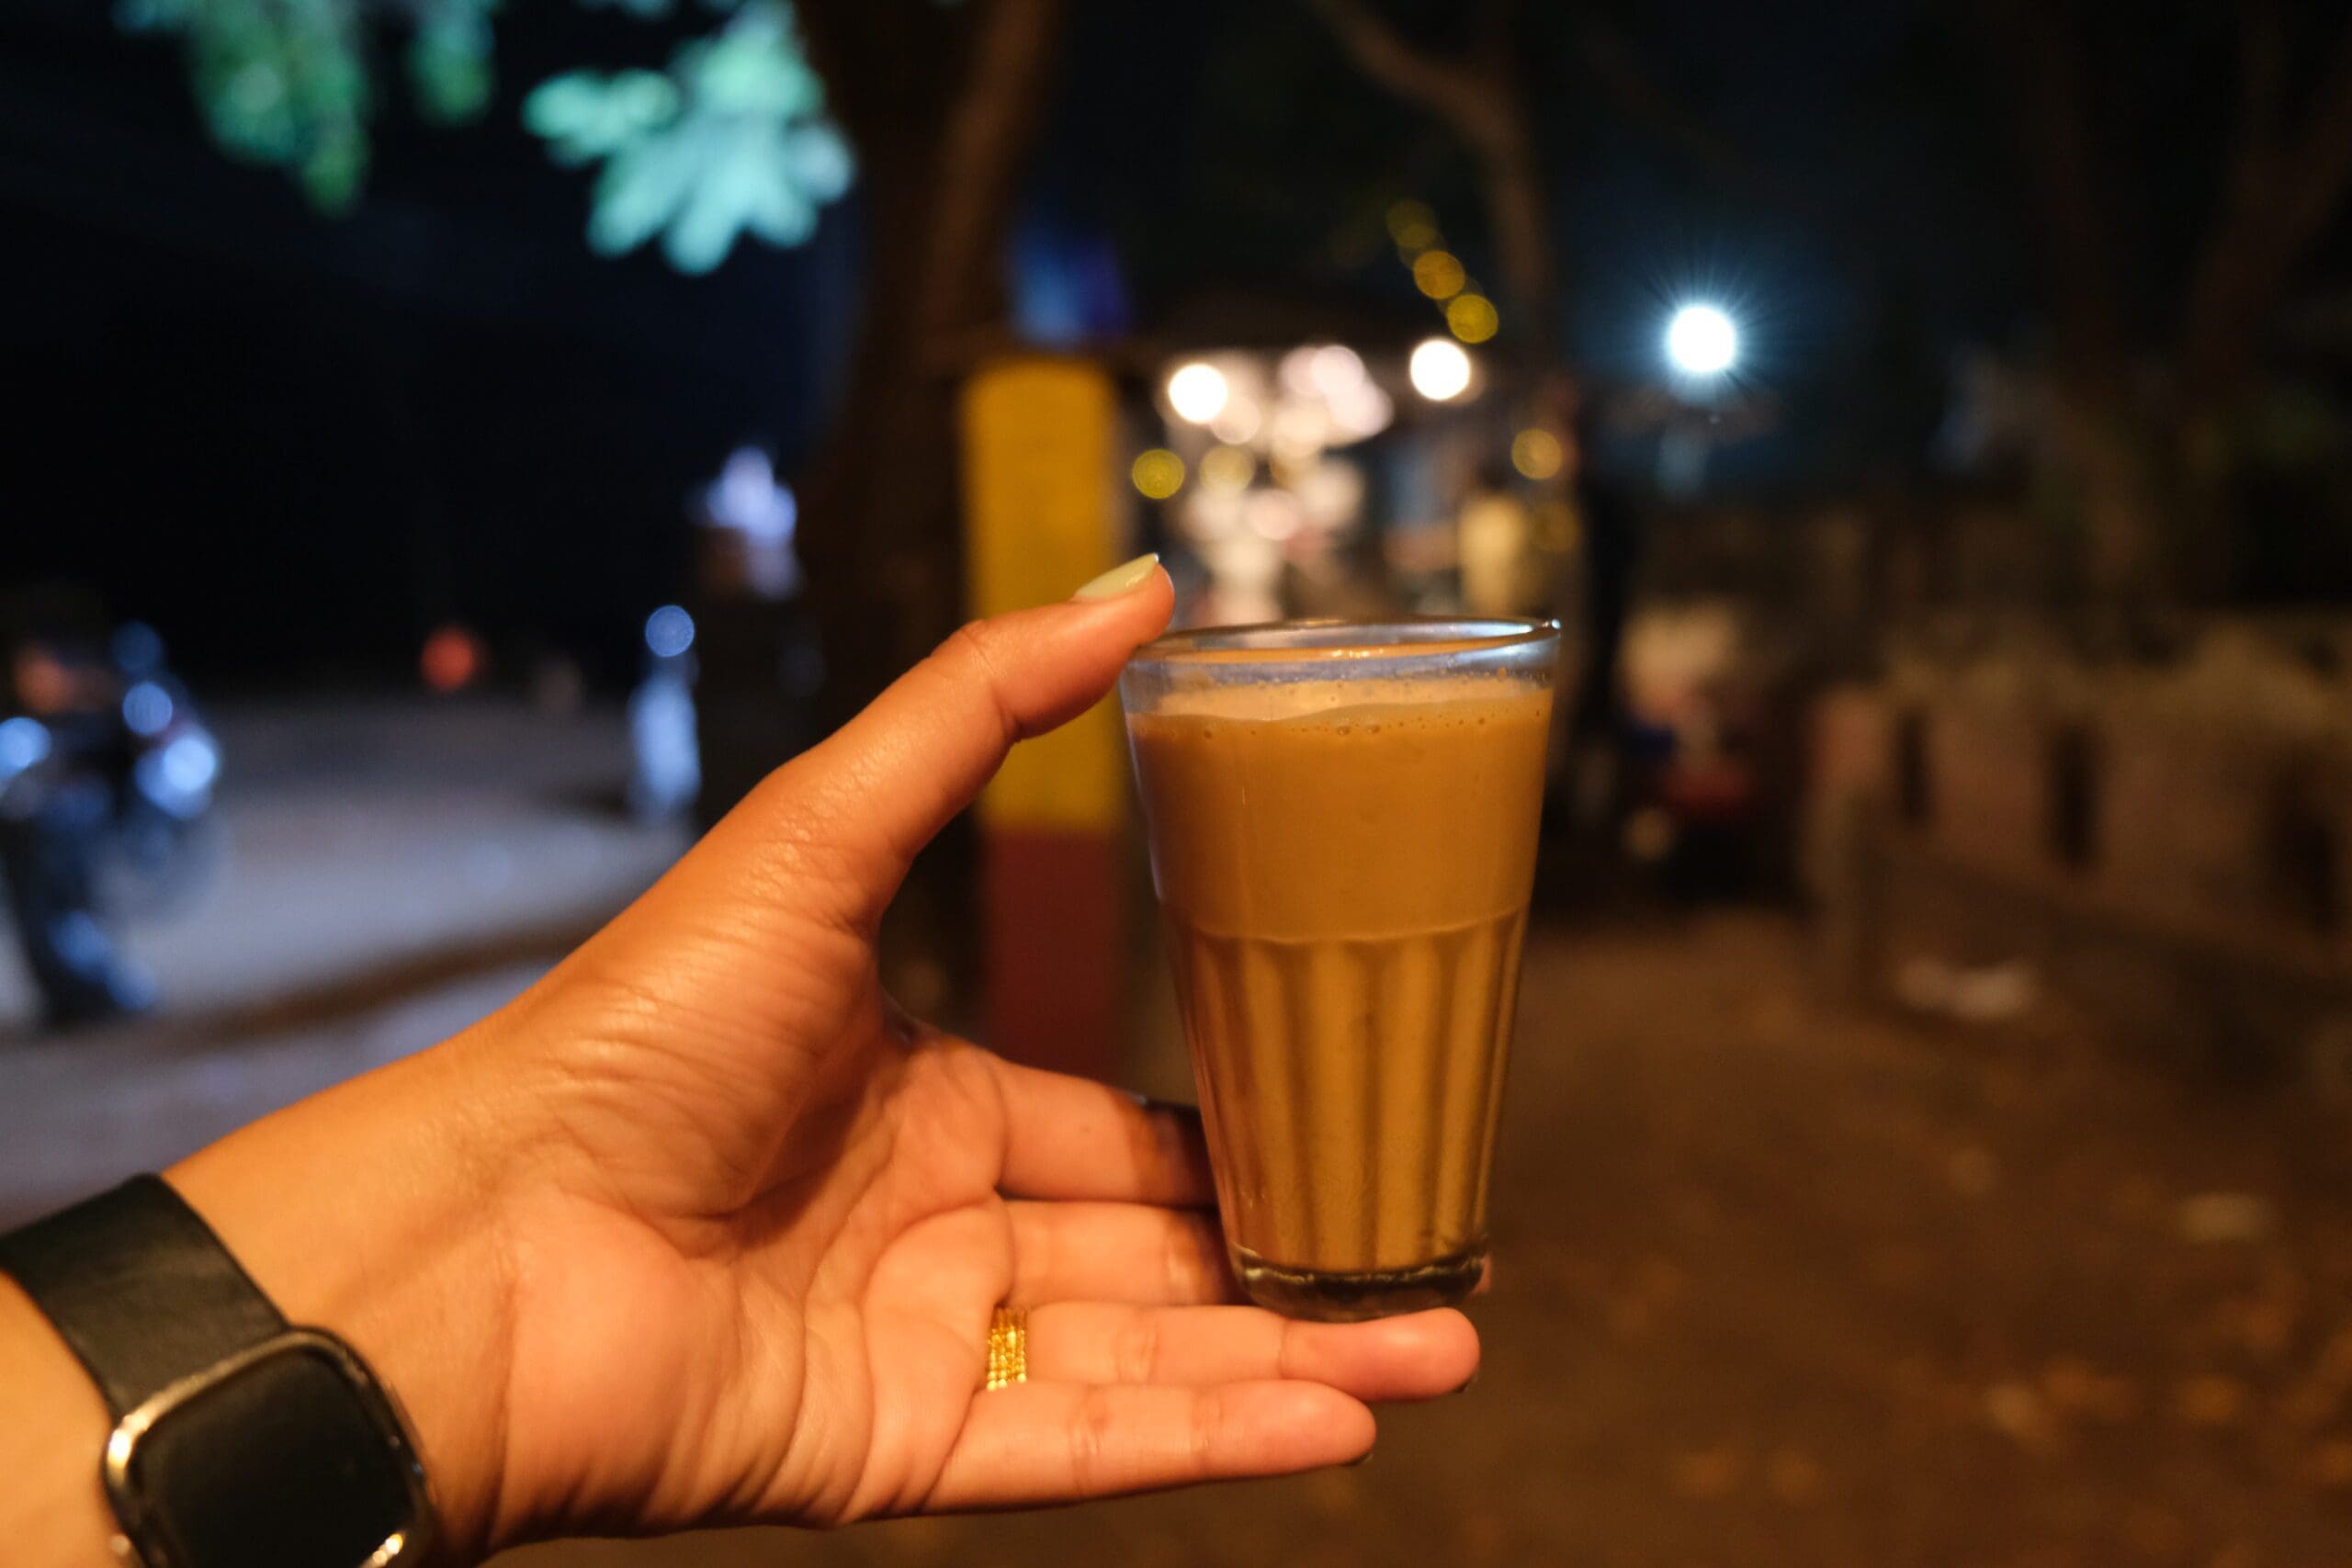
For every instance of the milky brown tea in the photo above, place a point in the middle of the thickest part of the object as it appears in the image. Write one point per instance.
(1343, 854)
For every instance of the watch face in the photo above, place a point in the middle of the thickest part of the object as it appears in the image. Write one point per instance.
(289, 1459)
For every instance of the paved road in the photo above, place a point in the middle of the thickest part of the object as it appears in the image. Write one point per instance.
(392, 870)
(366, 835)
(1780, 1286)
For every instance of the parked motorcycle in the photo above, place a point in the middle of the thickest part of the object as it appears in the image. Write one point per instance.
(107, 780)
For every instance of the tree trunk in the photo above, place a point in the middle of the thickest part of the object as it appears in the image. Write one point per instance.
(877, 503)
(942, 107)
(2103, 438)
(2151, 467)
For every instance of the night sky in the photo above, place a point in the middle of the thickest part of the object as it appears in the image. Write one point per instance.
(296, 442)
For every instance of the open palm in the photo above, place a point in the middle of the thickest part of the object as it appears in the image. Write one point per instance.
(776, 1215)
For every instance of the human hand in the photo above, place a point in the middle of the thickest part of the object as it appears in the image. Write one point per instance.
(701, 1229)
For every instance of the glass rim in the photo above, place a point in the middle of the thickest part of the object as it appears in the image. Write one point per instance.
(1254, 643)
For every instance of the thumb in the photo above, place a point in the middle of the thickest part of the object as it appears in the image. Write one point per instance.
(892, 777)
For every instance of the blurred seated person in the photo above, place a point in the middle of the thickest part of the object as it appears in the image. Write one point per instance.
(104, 763)
(66, 758)
(1496, 551)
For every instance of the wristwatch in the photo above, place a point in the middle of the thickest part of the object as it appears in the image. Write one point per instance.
(240, 1441)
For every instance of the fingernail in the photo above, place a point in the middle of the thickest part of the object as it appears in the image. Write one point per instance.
(1469, 1383)
(1362, 1458)
(1120, 579)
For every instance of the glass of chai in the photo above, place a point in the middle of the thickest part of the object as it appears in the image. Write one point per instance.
(1342, 820)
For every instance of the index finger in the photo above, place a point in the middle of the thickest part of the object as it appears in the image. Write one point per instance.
(896, 773)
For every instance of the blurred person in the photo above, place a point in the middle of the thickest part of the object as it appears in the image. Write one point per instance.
(1496, 546)
(1694, 786)
(100, 755)
(758, 667)
(1420, 557)
(701, 1229)
(164, 843)
(665, 756)
(1609, 529)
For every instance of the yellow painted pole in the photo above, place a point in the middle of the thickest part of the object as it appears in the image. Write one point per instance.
(1042, 515)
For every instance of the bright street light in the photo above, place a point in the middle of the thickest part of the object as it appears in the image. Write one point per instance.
(1438, 369)
(1701, 341)
(1197, 392)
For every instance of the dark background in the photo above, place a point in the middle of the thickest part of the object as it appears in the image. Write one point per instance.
(1924, 1144)
(297, 443)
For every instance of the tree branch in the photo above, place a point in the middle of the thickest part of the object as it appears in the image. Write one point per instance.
(2323, 160)
(1642, 99)
(2262, 74)
(1481, 101)
(879, 66)
(1491, 33)
(2068, 191)
(2283, 191)
(984, 148)
(1460, 96)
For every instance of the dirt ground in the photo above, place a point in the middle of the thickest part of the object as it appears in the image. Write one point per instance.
(1780, 1284)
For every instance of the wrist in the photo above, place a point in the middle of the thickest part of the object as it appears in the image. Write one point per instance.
(373, 1211)
(52, 1427)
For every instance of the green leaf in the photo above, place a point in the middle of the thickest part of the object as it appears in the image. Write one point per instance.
(448, 60)
(641, 188)
(286, 83)
(333, 169)
(730, 140)
(583, 115)
(152, 16)
(819, 161)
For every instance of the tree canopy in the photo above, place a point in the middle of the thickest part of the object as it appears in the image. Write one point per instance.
(729, 139)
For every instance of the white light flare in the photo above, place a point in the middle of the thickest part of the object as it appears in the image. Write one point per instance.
(1701, 341)
(1198, 392)
(1439, 370)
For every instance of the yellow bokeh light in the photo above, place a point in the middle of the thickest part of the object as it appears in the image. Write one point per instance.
(1471, 317)
(1158, 473)
(1535, 453)
(1437, 274)
(1226, 469)
(1558, 531)
(1412, 225)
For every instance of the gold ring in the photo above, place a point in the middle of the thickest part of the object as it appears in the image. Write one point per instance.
(1008, 1348)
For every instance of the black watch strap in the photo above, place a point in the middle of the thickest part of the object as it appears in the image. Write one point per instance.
(141, 1288)
(240, 1442)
